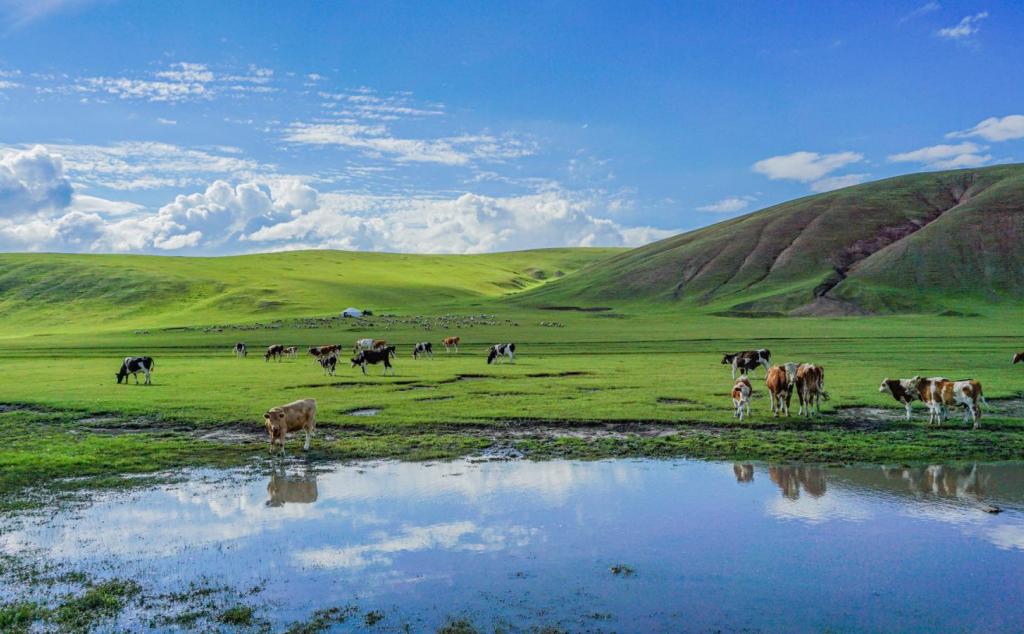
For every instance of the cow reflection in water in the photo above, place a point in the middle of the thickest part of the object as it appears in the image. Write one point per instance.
(744, 472)
(791, 479)
(960, 482)
(291, 489)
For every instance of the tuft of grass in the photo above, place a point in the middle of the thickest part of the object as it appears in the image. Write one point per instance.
(622, 570)
(18, 617)
(457, 626)
(323, 620)
(239, 615)
(99, 602)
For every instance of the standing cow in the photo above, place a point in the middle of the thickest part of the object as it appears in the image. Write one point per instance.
(275, 351)
(424, 348)
(134, 365)
(780, 389)
(741, 397)
(382, 355)
(810, 388)
(747, 360)
(291, 417)
(451, 342)
(240, 350)
(940, 394)
(501, 350)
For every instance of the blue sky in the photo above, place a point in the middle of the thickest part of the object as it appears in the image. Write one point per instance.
(230, 127)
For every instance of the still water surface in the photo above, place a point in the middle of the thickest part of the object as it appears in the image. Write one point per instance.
(521, 544)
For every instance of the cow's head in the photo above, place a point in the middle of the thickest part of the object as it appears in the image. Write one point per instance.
(727, 359)
(358, 359)
(274, 420)
(1017, 358)
(122, 374)
(887, 385)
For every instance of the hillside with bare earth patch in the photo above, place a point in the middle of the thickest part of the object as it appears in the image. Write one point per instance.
(931, 242)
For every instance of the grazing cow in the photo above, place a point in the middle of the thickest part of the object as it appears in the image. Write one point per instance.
(451, 342)
(322, 351)
(329, 364)
(375, 356)
(748, 360)
(291, 417)
(1017, 358)
(940, 394)
(810, 387)
(423, 348)
(292, 352)
(741, 396)
(780, 389)
(362, 344)
(241, 350)
(501, 350)
(134, 365)
(903, 390)
(275, 351)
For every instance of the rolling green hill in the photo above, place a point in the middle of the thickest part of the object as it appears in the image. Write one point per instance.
(51, 292)
(932, 242)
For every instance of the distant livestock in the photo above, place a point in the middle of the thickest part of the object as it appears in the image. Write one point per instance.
(275, 351)
(780, 389)
(451, 342)
(322, 351)
(291, 417)
(741, 397)
(810, 388)
(292, 352)
(329, 364)
(1017, 358)
(240, 350)
(134, 365)
(748, 360)
(362, 344)
(374, 357)
(424, 348)
(501, 350)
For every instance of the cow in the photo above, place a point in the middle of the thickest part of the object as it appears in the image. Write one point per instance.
(423, 348)
(810, 387)
(1017, 358)
(292, 352)
(501, 350)
(291, 417)
(240, 350)
(748, 360)
(284, 489)
(275, 351)
(903, 390)
(375, 356)
(741, 396)
(940, 394)
(362, 344)
(322, 351)
(329, 364)
(134, 365)
(780, 389)
(451, 342)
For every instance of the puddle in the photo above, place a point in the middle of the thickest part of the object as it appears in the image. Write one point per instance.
(527, 545)
(365, 411)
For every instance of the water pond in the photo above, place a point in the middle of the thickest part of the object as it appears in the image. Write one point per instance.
(634, 545)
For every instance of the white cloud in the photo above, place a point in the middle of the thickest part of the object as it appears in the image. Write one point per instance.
(179, 82)
(924, 9)
(805, 166)
(994, 129)
(729, 205)
(163, 121)
(967, 27)
(32, 181)
(945, 156)
(838, 182)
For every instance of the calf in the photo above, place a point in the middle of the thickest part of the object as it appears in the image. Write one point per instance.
(375, 356)
(134, 365)
(501, 350)
(941, 394)
(240, 350)
(741, 396)
(451, 342)
(291, 417)
(780, 389)
(423, 348)
(903, 390)
(275, 351)
(748, 360)
(810, 388)
(1017, 358)
(329, 364)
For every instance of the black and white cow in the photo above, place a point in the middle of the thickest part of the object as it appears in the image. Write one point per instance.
(329, 363)
(748, 360)
(134, 365)
(382, 355)
(502, 350)
(241, 350)
(421, 349)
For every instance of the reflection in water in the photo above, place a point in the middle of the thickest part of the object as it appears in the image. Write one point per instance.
(291, 489)
(531, 544)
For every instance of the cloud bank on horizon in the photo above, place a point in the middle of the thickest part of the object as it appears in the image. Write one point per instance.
(351, 137)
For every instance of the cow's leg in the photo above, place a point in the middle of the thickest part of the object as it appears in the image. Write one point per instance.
(305, 447)
(734, 369)
(147, 377)
(907, 405)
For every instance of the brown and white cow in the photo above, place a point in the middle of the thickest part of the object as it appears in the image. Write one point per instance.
(318, 352)
(451, 342)
(810, 388)
(940, 394)
(780, 389)
(1017, 358)
(748, 360)
(903, 390)
(741, 397)
(291, 417)
(275, 351)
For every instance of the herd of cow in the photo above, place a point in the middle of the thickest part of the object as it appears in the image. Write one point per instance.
(807, 379)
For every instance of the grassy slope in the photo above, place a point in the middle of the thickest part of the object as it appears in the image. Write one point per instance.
(63, 293)
(774, 259)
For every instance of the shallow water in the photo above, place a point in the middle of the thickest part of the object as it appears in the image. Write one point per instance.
(520, 544)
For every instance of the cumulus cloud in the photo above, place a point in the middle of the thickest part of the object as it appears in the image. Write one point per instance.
(807, 167)
(945, 156)
(729, 205)
(994, 129)
(965, 28)
(32, 181)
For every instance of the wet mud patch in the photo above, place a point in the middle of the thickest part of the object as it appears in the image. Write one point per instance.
(467, 377)
(417, 386)
(545, 375)
(1012, 407)
(363, 411)
(672, 400)
(427, 399)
